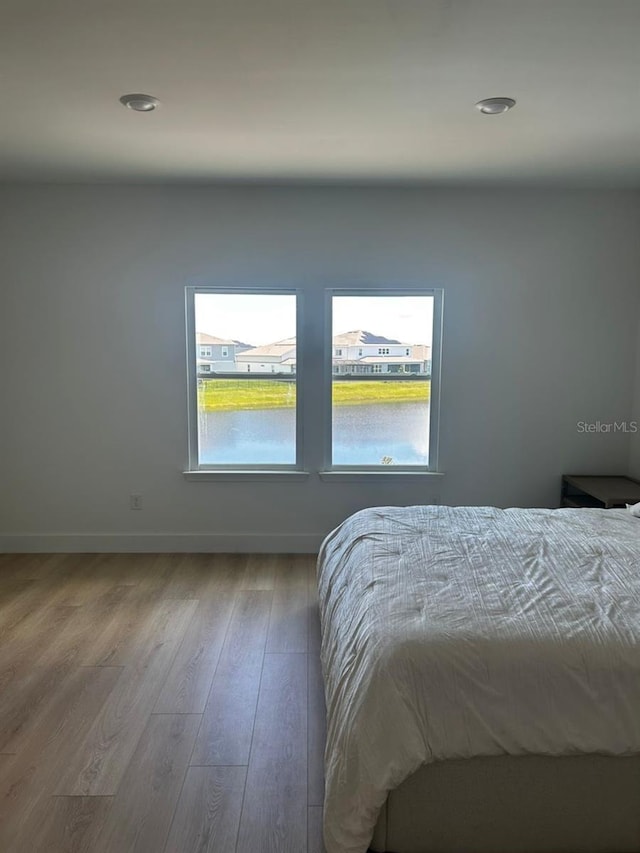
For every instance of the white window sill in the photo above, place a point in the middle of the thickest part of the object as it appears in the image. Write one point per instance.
(356, 476)
(246, 476)
(344, 476)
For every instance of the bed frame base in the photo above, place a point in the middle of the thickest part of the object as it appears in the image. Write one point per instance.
(513, 804)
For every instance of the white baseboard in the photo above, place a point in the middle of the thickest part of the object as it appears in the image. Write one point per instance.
(149, 543)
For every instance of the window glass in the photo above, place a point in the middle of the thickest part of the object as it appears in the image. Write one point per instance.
(381, 397)
(246, 402)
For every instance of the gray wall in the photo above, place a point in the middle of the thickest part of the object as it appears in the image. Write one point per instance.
(634, 463)
(541, 320)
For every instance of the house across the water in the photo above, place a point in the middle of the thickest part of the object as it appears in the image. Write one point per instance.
(357, 353)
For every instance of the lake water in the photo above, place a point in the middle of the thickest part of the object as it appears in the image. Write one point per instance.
(362, 435)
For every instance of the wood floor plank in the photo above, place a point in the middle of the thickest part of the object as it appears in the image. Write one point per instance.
(16, 604)
(30, 566)
(141, 812)
(25, 702)
(315, 841)
(57, 651)
(289, 624)
(118, 643)
(27, 689)
(19, 610)
(208, 813)
(188, 574)
(274, 816)
(87, 579)
(65, 581)
(314, 621)
(70, 825)
(154, 572)
(77, 739)
(101, 759)
(23, 615)
(69, 645)
(11, 592)
(316, 733)
(317, 710)
(195, 575)
(28, 778)
(260, 571)
(187, 686)
(126, 569)
(45, 567)
(32, 636)
(227, 723)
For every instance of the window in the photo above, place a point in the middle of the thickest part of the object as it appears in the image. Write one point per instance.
(244, 415)
(370, 386)
(386, 416)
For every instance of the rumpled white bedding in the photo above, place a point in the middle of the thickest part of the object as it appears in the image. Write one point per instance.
(452, 632)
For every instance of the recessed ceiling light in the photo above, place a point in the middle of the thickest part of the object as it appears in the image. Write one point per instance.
(495, 106)
(140, 103)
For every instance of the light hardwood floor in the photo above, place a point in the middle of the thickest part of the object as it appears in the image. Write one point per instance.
(156, 703)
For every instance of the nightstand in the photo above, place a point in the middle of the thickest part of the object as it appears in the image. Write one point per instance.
(597, 491)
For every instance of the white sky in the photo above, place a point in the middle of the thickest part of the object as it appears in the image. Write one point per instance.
(408, 319)
(258, 320)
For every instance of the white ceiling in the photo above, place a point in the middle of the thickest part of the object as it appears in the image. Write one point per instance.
(321, 90)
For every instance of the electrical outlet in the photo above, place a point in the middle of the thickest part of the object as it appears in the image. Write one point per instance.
(135, 501)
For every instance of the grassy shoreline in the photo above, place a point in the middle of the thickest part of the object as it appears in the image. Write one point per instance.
(225, 395)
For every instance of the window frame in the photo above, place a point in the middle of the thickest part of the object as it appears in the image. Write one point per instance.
(434, 410)
(195, 468)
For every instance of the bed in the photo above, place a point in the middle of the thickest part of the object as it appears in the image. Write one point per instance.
(482, 679)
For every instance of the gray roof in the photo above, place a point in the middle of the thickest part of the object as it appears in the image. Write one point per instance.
(278, 349)
(203, 338)
(361, 338)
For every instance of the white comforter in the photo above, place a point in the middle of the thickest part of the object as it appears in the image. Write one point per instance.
(458, 632)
